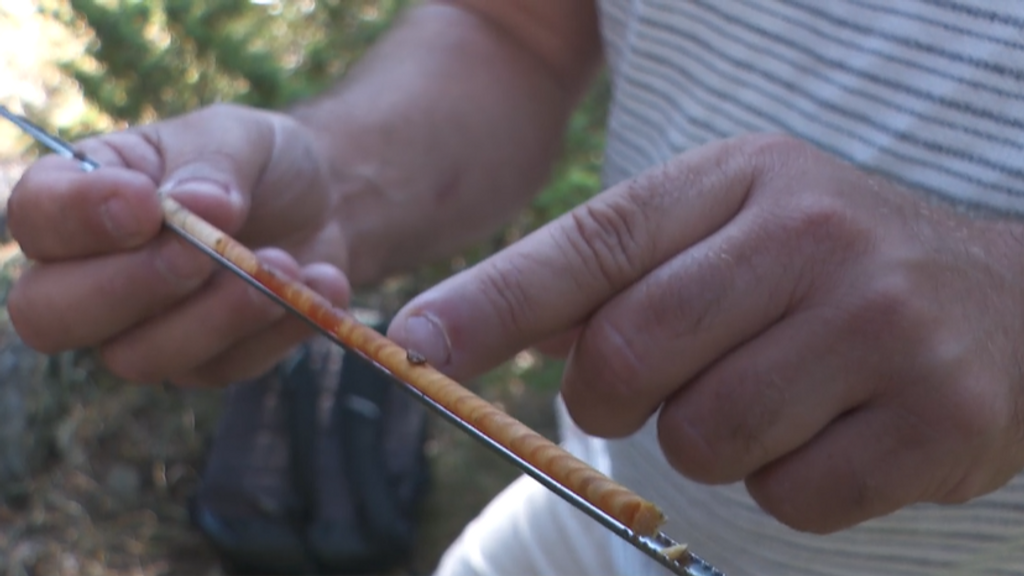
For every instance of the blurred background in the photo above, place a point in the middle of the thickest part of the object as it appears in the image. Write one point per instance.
(95, 474)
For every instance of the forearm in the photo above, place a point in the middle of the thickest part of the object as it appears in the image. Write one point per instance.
(447, 126)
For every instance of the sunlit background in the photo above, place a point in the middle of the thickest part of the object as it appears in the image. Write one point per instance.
(31, 46)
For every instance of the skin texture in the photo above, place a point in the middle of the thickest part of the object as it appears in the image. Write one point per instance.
(844, 346)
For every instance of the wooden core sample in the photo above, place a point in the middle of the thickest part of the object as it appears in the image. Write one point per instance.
(615, 500)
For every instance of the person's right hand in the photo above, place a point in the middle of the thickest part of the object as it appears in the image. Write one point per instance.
(106, 274)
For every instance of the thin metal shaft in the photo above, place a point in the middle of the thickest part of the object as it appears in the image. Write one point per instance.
(688, 564)
(50, 141)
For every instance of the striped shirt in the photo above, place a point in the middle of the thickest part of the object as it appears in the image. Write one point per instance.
(929, 93)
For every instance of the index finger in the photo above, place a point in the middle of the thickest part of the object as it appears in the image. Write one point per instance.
(58, 212)
(558, 276)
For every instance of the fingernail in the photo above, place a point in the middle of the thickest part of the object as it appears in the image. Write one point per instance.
(424, 335)
(181, 262)
(118, 217)
(199, 187)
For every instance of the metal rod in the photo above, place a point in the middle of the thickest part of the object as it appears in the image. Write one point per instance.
(688, 564)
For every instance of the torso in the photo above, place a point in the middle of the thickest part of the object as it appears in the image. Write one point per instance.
(929, 93)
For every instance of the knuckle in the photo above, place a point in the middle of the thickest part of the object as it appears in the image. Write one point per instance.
(689, 451)
(723, 451)
(968, 487)
(619, 360)
(822, 223)
(769, 152)
(890, 307)
(818, 244)
(127, 365)
(237, 134)
(745, 430)
(780, 495)
(656, 189)
(607, 239)
(730, 445)
(504, 288)
(819, 219)
(691, 308)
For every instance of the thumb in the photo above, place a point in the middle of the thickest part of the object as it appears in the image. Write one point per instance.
(213, 159)
(529, 292)
(556, 278)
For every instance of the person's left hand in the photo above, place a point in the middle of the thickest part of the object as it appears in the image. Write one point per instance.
(844, 346)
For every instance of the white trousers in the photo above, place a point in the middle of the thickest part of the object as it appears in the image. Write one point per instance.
(528, 530)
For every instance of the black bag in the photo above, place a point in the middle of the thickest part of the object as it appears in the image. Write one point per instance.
(317, 468)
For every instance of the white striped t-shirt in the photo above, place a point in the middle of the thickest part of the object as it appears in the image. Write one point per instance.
(929, 93)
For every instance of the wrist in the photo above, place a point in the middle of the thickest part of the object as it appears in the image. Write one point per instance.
(444, 130)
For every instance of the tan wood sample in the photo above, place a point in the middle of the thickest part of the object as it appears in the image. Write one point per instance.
(615, 500)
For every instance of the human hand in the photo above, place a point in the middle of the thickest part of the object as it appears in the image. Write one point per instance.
(844, 346)
(106, 274)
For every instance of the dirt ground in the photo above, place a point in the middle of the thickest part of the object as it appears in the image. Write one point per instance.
(112, 497)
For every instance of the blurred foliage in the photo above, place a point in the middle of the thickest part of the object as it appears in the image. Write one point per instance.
(153, 59)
